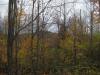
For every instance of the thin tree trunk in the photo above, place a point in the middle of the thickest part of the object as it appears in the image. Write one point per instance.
(38, 40)
(32, 38)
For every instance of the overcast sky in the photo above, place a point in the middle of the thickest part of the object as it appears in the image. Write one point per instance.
(79, 5)
(4, 6)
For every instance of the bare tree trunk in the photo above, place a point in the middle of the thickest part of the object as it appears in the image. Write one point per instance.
(91, 27)
(10, 38)
(64, 27)
(81, 25)
(74, 43)
(32, 38)
(91, 30)
(43, 39)
(38, 40)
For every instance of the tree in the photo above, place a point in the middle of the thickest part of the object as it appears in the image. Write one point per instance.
(10, 39)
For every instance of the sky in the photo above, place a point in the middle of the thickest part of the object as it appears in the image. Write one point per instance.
(4, 6)
(79, 5)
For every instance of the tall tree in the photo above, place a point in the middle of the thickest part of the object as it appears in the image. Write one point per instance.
(10, 38)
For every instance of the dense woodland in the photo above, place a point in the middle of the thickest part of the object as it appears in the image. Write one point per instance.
(48, 39)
